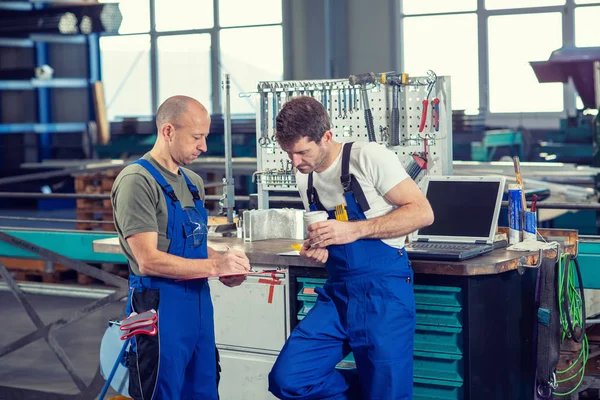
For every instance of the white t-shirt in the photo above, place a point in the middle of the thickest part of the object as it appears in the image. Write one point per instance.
(377, 170)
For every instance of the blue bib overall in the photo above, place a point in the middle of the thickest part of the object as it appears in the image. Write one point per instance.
(180, 362)
(366, 306)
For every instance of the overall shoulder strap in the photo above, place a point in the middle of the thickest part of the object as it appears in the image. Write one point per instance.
(168, 189)
(346, 178)
(312, 195)
(349, 182)
(193, 189)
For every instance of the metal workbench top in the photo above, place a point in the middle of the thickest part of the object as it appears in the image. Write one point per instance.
(265, 253)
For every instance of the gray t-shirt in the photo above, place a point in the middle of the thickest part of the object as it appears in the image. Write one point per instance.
(139, 203)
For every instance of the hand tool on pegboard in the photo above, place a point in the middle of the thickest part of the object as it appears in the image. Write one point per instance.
(339, 93)
(345, 103)
(395, 81)
(277, 90)
(350, 101)
(431, 80)
(363, 80)
(326, 100)
(264, 118)
(436, 114)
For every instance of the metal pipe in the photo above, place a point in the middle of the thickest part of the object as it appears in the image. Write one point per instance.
(84, 221)
(53, 289)
(561, 206)
(229, 189)
(26, 195)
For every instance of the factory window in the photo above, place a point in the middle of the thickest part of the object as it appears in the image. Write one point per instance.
(486, 46)
(244, 13)
(460, 37)
(136, 16)
(586, 19)
(514, 41)
(243, 56)
(181, 15)
(184, 67)
(412, 7)
(187, 35)
(126, 75)
(505, 4)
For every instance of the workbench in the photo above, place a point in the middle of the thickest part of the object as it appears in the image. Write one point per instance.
(475, 319)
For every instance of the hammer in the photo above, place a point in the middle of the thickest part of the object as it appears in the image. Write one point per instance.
(363, 80)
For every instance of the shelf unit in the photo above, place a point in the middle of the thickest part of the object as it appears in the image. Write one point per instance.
(41, 44)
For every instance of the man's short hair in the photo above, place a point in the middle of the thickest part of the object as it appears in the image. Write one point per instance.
(300, 117)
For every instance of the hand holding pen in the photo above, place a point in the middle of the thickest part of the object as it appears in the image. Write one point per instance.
(242, 255)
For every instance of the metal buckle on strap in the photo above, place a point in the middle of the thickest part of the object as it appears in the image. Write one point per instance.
(346, 182)
(553, 383)
(545, 390)
(172, 195)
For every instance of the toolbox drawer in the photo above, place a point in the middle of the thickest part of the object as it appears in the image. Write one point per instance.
(439, 316)
(438, 295)
(243, 312)
(431, 389)
(444, 367)
(438, 339)
(305, 307)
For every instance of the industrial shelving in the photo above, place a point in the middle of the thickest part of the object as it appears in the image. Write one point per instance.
(44, 125)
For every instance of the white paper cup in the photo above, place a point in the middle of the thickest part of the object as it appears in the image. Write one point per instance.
(314, 216)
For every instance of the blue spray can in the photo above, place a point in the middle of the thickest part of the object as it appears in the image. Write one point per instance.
(515, 214)
(530, 229)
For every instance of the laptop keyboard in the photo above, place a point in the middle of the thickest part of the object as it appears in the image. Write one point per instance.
(443, 246)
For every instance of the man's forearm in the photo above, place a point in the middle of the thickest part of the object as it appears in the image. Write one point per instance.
(165, 265)
(400, 222)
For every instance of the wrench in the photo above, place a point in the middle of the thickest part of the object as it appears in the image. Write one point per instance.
(345, 107)
(264, 141)
(339, 104)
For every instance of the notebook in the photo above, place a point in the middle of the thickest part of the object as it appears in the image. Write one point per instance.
(466, 210)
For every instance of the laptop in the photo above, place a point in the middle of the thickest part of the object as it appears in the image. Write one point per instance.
(466, 210)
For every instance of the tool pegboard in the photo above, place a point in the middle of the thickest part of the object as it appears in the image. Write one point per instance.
(422, 141)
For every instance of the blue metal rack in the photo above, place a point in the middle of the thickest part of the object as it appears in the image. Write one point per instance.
(40, 43)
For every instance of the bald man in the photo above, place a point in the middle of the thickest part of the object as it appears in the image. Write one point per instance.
(161, 222)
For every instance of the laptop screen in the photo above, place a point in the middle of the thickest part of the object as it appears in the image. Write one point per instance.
(462, 208)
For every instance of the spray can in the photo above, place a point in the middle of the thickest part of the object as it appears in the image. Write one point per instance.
(515, 213)
(530, 228)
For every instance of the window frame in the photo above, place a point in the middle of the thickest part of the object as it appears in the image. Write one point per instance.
(567, 12)
(215, 62)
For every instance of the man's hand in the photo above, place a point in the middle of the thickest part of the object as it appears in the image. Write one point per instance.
(325, 233)
(315, 255)
(232, 281)
(232, 262)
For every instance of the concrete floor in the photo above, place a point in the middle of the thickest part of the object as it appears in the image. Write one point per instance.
(35, 366)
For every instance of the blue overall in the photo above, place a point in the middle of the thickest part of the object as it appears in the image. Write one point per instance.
(367, 307)
(180, 362)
